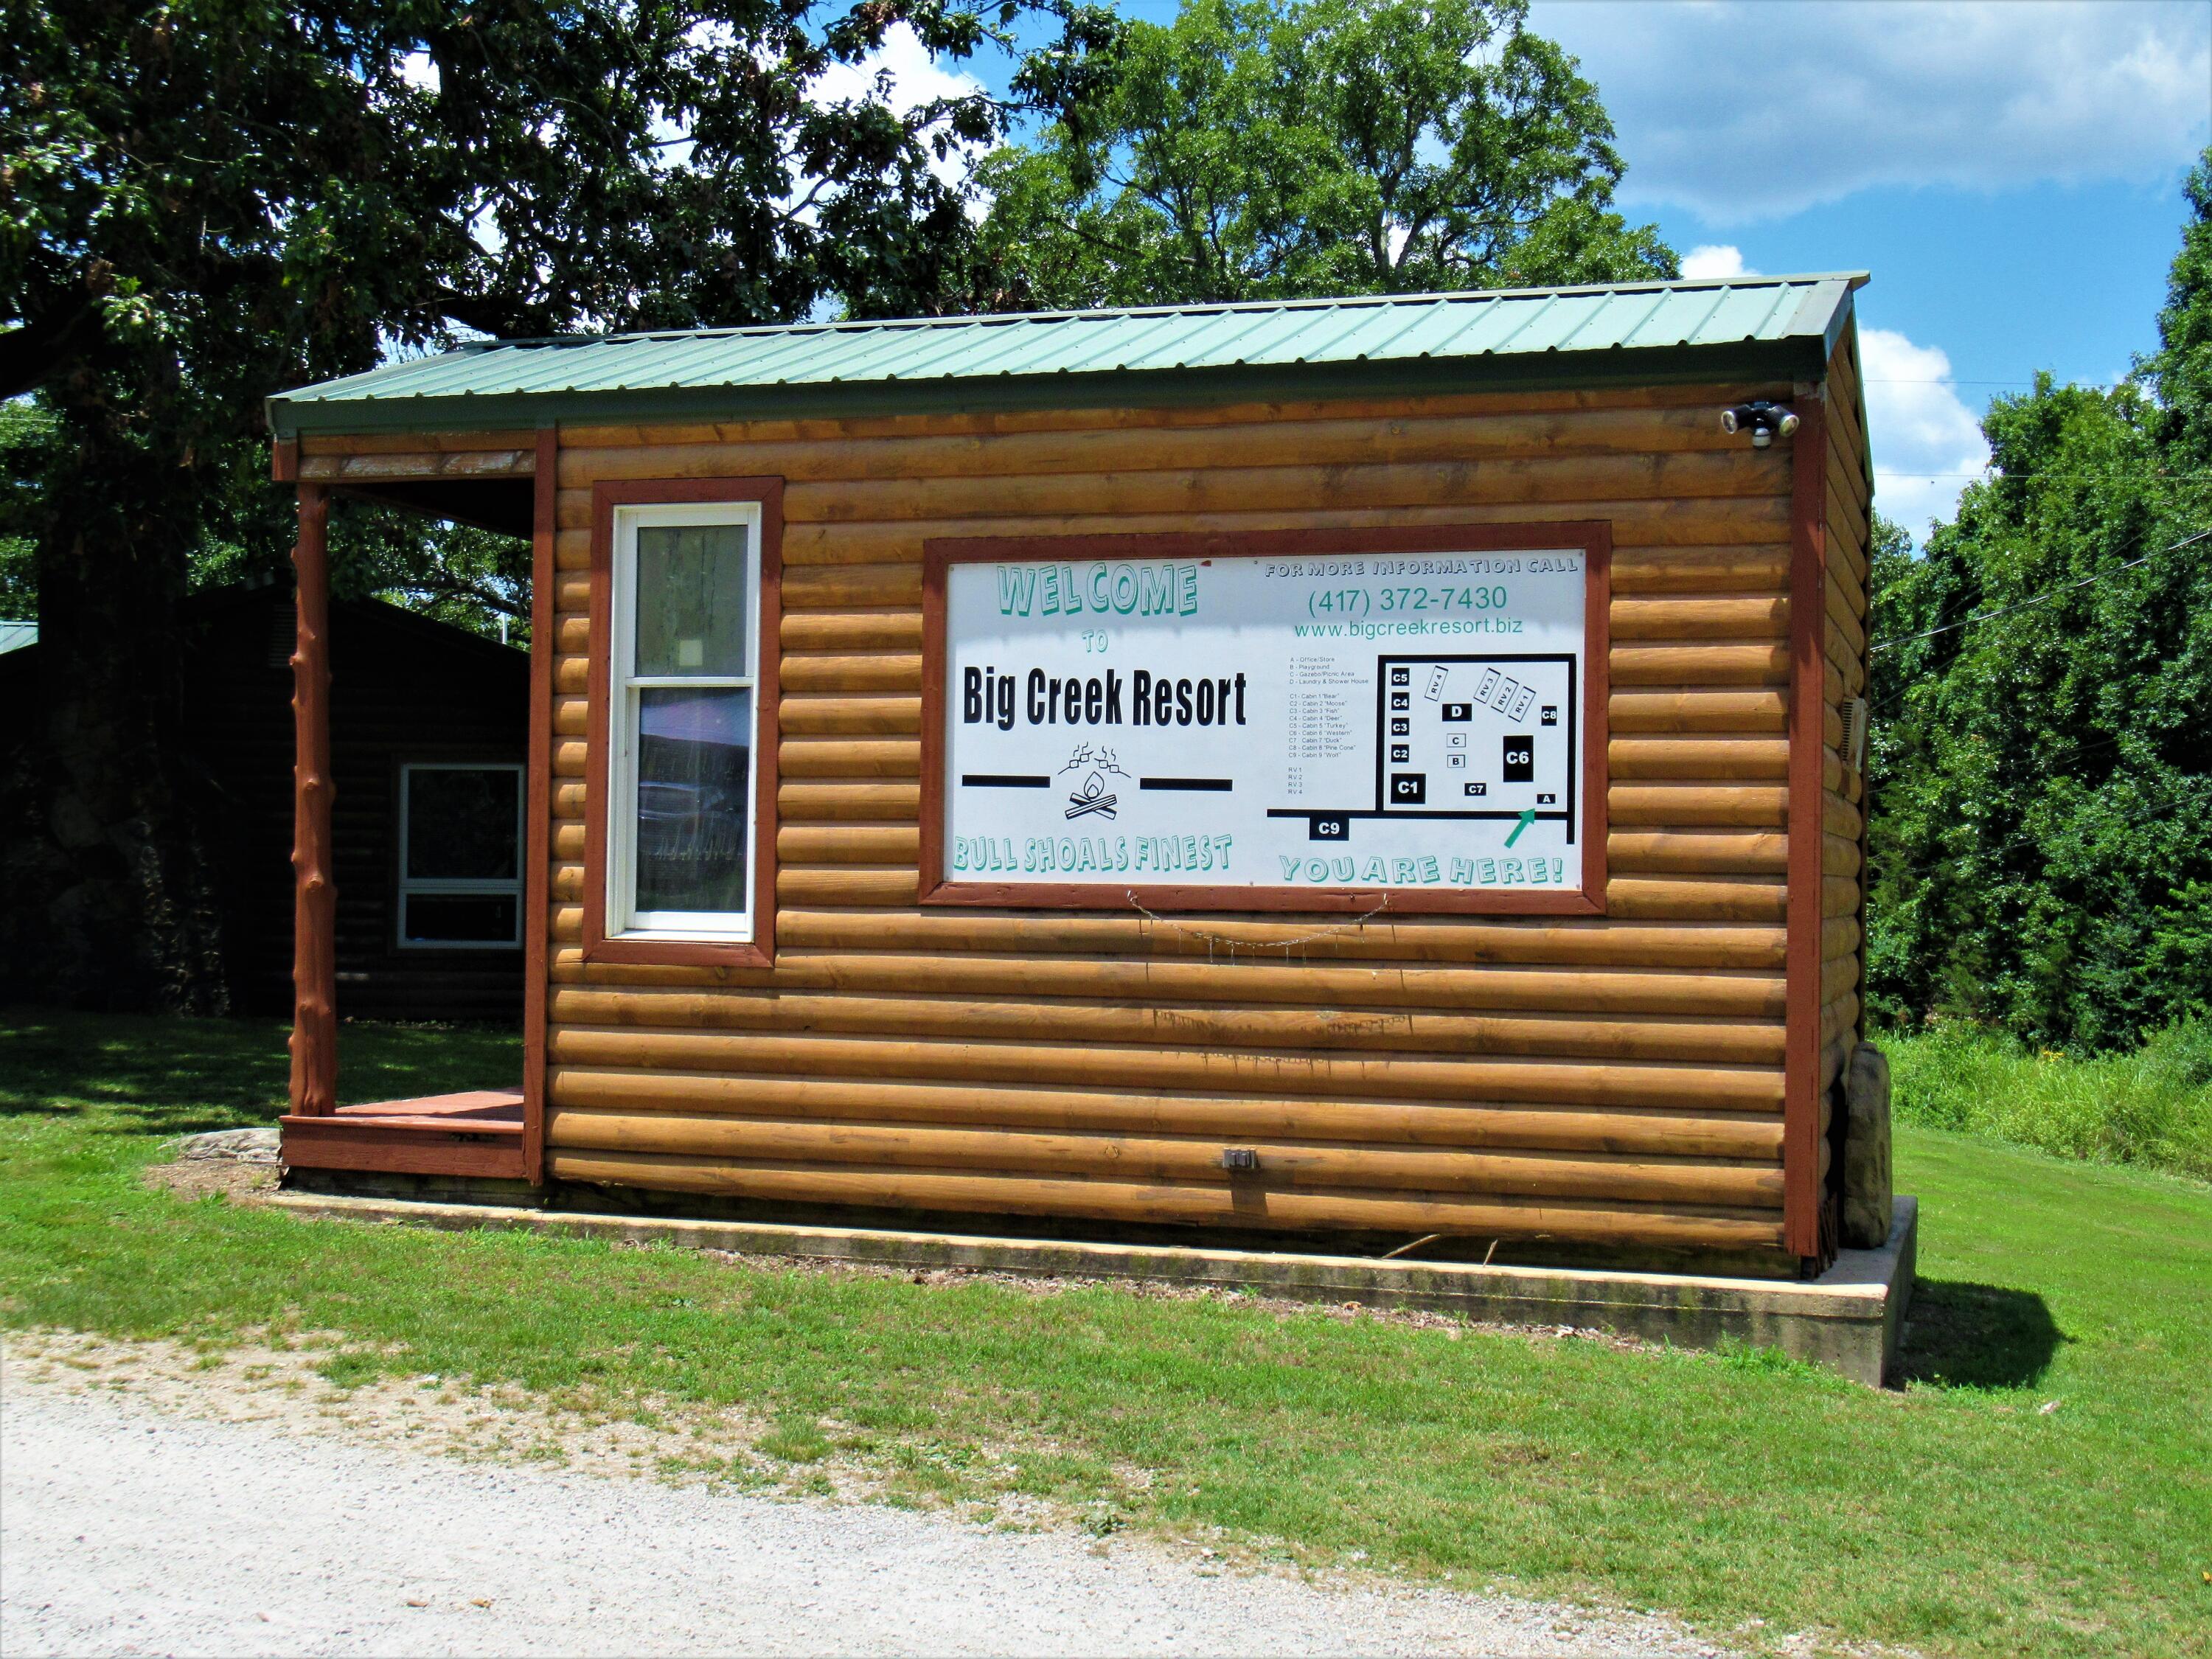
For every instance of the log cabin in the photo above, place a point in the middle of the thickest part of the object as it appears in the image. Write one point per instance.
(1334, 772)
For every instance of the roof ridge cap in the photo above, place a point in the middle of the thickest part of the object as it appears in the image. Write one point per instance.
(1194, 308)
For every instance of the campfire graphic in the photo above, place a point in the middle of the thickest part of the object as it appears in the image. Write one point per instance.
(1091, 798)
(1094, 797)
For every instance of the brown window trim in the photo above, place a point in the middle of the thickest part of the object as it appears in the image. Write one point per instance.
(760, 950)
(1593, 538)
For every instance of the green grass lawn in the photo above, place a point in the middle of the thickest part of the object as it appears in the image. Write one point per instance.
(1956, 1515)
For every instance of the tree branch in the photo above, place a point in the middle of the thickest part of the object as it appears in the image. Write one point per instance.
(501, 316)
(32, 353)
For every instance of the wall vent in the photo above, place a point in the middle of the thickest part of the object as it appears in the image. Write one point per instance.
(1854, 734)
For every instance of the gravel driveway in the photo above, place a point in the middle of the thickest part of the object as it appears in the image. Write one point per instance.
(125, 1529)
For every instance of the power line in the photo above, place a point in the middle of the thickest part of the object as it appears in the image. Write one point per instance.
(2047, 594)
(1997, 475)
(1961, 379)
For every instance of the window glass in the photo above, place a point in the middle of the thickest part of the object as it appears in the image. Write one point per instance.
(691, 601)
(694, 798)
(461, 856)
(461, 824)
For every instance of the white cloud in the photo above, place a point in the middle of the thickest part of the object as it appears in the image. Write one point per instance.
(1745, 111)
(1927, 444)
(1710, 263)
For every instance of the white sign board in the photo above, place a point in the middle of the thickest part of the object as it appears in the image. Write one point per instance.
(1413, 723)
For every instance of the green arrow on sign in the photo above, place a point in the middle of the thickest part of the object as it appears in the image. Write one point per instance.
(1528, 817)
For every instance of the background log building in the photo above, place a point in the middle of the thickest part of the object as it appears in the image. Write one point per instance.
(429, 729)
(1650, 1079)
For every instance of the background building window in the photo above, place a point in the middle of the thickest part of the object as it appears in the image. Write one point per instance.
(461, 856)
(687, 584)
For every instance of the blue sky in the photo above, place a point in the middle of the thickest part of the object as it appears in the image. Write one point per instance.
(2010, 174)
(2008, 171)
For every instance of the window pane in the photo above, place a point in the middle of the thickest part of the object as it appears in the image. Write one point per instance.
(691, 599)
(694, 798)
(461, 918)
(462, 823)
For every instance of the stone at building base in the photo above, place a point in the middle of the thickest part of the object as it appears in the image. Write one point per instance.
(1867, 1193)
(1847, 1319)
(230, 1146)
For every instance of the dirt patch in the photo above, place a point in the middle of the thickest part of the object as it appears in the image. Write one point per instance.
(320, 1383)
(196, 1178)
(317, 1382)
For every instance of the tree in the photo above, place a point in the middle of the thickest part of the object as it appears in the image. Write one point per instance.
(1251, 151)
(25, 430)
(2042, 768)
(210, 200)
(2181, 369)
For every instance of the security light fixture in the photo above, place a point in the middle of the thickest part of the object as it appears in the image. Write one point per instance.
(1761, 419)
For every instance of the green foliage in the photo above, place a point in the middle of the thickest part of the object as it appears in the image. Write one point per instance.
(2041, 767)
(204, 204)
(2183, 365)
(472, 578)
(508, 169)
(2152, 1106)
(1252, 151)
(24, 430)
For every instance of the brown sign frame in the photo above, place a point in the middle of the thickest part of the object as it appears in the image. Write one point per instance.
(1592, 538)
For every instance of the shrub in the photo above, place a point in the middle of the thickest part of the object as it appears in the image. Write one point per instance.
(2152, 1106)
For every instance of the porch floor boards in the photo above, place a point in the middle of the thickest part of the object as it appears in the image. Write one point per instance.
(494, 1110)
(477, 1133)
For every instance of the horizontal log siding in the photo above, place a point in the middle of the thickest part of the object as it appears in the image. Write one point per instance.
(1615, 1079)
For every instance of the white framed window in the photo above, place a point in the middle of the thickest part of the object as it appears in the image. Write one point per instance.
(685, 711)
(460, 855)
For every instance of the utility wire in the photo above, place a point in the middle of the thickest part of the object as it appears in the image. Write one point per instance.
(2039, 599)
(1994, 474)
(1964, 380)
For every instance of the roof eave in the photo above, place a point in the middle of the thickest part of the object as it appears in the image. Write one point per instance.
(1796, 358)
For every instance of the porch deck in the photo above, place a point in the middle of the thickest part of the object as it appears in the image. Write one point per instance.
(477, 1133)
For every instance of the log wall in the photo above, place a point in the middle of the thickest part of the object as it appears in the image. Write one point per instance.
(1847, 596)
(1617, 1080)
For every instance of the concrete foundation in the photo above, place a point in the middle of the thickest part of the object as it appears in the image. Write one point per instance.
(1848, 1319)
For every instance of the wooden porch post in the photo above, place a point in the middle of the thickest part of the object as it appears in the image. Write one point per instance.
(314, 907)
(537, 884)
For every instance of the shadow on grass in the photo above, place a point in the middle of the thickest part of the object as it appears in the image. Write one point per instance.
(1978, 1336)
(147, 1074)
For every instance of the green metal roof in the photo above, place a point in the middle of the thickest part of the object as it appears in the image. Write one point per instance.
(1758, 327)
